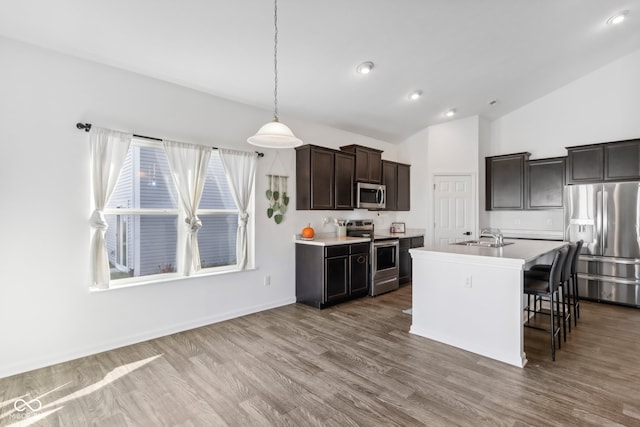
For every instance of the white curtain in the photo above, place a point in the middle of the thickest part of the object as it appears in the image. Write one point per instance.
(188, 164)
(240, 169)
(108, 151)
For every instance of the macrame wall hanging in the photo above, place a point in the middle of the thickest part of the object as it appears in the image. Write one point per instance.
(277, 195)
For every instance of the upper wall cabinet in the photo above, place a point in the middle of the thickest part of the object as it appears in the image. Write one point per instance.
(545, 183)
(585, 164)
(613, 161)
(622, 160)
(324, 178)
(396, 178)
(505, 181)
(368, 163)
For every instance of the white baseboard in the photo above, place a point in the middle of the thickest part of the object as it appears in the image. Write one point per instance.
(52, 359)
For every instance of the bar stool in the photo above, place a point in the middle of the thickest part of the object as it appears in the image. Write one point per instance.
(536, 285)
(568, 283)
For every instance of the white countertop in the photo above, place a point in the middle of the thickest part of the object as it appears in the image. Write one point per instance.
(329, 239)
(521, 249)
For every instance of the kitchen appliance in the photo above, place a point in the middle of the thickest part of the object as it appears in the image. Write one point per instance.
(607, 218)
(385, 252)
(370, 196)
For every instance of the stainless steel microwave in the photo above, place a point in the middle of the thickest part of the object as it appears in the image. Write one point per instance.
(370, 196)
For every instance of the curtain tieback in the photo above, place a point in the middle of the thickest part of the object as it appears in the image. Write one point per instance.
(98, 221)
(193, 223)
(243, 218)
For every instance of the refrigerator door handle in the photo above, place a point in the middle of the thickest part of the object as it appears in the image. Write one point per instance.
(605, 219)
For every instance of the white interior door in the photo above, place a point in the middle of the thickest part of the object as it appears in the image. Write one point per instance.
(453, 206)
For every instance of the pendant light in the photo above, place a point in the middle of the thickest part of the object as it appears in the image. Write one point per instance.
(275, 134)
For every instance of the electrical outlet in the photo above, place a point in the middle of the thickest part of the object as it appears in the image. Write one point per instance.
(267, 280)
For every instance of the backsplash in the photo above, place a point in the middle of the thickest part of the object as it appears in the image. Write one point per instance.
(532, 224)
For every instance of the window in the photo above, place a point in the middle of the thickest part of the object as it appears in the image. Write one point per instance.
(143, 217)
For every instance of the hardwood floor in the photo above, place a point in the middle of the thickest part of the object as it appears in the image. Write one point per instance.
(353, 364)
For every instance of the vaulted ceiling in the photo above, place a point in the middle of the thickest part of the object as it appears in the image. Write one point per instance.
(461, 54)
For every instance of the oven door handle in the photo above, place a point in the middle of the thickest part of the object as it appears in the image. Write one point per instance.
(385, 243)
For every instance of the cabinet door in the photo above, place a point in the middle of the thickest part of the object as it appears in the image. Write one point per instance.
(585, 164)
(622, 161)
(404, 188)
(322, 179)
(505, 182)
(545, 183)
(368, 165)
(359, 273)
(345, 165)
(375, 166)
(336, 273)
(390, 180)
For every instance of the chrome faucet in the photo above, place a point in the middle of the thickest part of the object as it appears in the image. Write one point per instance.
(496, 234)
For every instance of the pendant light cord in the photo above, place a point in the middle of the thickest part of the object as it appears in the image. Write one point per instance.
(275, 61)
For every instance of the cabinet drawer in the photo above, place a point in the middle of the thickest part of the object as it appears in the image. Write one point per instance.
(338, 250)
(360, 248)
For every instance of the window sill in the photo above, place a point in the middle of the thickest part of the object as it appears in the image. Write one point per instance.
(166, 278)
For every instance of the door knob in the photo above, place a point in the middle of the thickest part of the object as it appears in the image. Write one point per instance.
(467, 233)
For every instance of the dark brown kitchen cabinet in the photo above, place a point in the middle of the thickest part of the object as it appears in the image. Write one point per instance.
(505, 181)
(545, 183)
(326, 275)
(585, 164)
(359, 269)
(368, 163)
(336, 270)
(397, 180)
(390, 180)
(622, 160)
(345, 166)
(404, 187)
(405, 262)
(607, 162)
(324, 178)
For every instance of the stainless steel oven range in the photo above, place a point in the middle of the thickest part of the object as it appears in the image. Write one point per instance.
(385, 270)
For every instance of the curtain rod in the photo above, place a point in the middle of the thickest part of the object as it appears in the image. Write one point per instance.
(87, 128)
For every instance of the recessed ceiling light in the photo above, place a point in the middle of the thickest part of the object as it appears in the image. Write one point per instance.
(450, 113)
(618, 17)
(365, 67)
(415, 95)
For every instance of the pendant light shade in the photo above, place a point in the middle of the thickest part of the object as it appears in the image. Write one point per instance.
(275, 134)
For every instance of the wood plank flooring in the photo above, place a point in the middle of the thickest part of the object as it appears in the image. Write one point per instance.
(354, 364)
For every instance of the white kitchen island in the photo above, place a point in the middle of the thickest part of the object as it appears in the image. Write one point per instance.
(471, 297)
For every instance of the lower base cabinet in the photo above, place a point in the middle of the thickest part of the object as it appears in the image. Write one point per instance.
(326, 275)
(406, 266)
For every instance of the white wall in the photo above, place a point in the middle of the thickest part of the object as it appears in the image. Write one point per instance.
(448, 148)
(47, 313)
(602, 106)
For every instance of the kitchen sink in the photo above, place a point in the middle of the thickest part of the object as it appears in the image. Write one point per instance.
(482, 243)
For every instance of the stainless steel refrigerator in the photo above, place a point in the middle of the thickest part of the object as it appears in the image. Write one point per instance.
(607, 218)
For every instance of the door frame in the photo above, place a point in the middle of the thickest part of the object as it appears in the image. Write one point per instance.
(474, 201)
